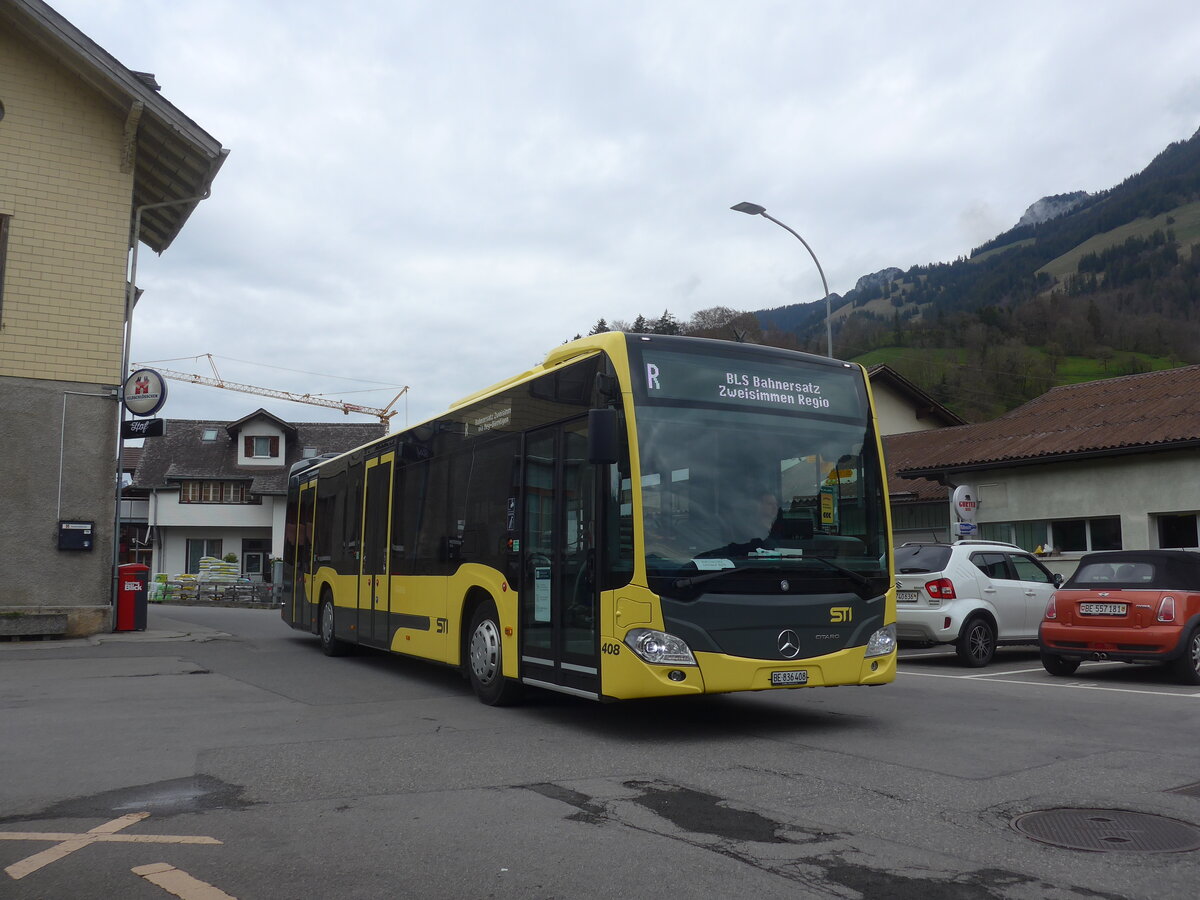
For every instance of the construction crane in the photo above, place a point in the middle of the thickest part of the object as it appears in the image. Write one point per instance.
(385, 414)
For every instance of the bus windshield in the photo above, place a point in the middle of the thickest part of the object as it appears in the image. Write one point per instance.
(748, 489)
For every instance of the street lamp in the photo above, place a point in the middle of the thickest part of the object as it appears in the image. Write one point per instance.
(753, 209)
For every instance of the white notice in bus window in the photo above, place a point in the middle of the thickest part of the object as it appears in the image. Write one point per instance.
(541, 594)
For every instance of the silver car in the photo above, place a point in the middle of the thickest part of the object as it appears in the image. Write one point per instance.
(973, 594)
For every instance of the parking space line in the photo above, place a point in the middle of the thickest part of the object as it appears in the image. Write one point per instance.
(180, 883)
(1071, 684)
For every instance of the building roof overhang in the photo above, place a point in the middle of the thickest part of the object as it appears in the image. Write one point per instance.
(173, 159)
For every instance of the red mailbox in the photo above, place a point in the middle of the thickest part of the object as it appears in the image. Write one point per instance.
(133, 596)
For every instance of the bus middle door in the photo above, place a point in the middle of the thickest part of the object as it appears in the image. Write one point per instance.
(374, 582)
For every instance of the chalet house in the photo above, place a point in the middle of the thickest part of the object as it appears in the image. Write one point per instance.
(87, 149)
(1105, 465)
(216, 488)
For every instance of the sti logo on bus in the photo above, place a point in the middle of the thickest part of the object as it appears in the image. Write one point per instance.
(840, 613)
(652, 382)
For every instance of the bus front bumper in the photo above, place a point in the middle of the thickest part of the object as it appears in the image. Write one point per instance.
(628, 677)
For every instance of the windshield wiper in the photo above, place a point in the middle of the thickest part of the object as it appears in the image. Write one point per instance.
(735, 570)
(857, 578)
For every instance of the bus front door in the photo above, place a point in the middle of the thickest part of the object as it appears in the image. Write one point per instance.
(559, 639)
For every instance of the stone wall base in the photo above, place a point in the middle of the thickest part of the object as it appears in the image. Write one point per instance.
(58, 621)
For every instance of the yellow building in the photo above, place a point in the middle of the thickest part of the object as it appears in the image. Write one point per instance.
(87, 148)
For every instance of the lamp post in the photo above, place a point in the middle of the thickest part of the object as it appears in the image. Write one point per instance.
(753, 209)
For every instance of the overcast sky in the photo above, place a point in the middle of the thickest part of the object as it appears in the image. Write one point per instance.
(435, 194)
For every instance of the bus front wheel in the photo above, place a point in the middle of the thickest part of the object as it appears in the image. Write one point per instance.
(485, 658)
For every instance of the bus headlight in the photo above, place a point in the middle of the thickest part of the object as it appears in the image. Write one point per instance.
(882, 642)
(659, 648)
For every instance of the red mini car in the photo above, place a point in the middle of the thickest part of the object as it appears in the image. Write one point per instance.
(1136, 606)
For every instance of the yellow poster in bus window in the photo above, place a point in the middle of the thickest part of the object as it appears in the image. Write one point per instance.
(828, 508)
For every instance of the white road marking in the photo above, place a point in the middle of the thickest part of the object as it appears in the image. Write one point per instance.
(1081, 685)
(67, 843)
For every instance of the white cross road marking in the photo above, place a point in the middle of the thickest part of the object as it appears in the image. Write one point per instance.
(66, 843)
(180, 883)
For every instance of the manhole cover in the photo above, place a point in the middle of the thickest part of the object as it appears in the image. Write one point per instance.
(1109, 830)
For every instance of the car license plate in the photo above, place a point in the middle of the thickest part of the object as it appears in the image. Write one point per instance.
(907, 596)
(798, 676)
(1102, 609)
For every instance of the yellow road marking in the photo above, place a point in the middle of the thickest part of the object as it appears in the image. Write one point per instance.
(67, 843)
(180, 883)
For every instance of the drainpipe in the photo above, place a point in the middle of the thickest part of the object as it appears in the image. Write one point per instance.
(130, 299)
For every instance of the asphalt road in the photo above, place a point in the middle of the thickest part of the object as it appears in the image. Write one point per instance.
(221, 754)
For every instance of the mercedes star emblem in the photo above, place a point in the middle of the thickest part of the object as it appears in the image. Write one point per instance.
(789, 644)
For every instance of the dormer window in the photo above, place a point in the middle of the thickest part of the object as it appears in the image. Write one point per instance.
(262, 447)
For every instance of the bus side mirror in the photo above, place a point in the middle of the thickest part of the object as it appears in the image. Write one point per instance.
(603, 448)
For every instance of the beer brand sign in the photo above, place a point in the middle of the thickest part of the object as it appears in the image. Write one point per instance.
(145, 392)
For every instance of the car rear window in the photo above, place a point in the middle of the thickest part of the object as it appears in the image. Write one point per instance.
(1106, 573)
(1146, 573)
(924, 558)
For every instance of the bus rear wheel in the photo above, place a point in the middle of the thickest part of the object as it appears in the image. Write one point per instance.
(485, 659)
(330, 644)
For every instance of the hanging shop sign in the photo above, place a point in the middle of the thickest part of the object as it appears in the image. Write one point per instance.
(145, 392)
(143, 428)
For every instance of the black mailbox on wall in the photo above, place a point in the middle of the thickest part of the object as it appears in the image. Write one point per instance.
(75, 535)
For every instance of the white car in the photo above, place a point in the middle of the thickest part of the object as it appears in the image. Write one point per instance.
(973, 594)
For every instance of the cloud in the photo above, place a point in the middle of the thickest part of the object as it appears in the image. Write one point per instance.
(438, 194)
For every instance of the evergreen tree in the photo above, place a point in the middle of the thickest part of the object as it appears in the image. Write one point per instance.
(666, 324)
(600, 327)
(639, 326)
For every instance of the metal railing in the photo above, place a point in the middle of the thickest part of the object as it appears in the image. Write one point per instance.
(195, 591)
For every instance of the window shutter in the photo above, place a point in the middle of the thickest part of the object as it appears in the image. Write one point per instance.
(249, 447)
(274, 446)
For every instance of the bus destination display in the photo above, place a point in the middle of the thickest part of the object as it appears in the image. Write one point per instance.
(751, 383)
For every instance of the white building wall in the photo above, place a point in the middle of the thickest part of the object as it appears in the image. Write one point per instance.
(896, 413)
(278, 523)
(172, 556)
(1135, 487)
(213, 515)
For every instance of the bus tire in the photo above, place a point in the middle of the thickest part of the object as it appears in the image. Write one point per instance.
(331, 645)
(485, 659)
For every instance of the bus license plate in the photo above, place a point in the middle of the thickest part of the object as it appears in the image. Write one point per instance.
(799, 676)
(1102, 609)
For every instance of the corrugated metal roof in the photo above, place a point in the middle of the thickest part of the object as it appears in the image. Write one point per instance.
(904, 451)
(1136, 412)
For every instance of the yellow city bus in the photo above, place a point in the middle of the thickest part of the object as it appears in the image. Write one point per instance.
(638, 516)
